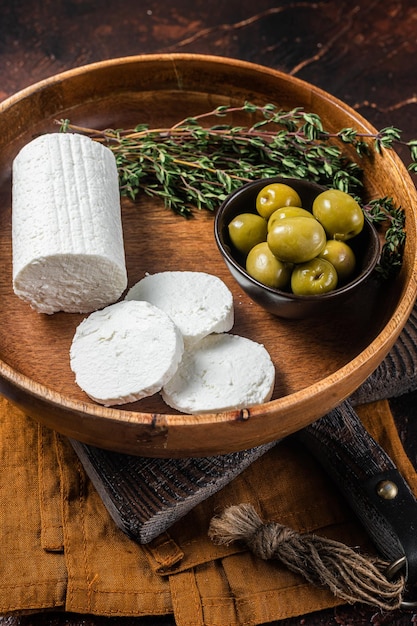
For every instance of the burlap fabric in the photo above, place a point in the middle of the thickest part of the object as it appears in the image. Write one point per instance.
(60, 548)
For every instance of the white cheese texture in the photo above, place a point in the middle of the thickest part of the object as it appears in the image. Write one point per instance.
(197, 302)
(68, 251)
(219, 373)
(125, 352)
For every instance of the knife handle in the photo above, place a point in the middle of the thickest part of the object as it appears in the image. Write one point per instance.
(370, 482)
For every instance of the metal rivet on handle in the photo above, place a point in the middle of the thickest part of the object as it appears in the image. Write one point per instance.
(387, 490)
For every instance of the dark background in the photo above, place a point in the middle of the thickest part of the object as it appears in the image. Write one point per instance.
(363, 52)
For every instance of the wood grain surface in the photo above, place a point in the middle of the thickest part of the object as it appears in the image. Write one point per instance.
(345, 345)
(363, 53)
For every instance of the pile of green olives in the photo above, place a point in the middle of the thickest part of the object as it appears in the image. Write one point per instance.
(294, 248)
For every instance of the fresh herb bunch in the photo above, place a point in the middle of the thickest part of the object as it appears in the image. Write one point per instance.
(189, 165)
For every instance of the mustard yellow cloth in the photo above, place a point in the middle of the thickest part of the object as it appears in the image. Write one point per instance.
(60, 548)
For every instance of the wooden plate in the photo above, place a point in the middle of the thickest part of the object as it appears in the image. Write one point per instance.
(318, 363)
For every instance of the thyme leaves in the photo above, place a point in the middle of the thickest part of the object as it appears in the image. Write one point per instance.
(193, 164)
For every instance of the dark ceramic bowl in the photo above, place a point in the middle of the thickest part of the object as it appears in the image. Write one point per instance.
(366, 247)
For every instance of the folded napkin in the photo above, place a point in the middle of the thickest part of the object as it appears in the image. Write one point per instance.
(61, 549)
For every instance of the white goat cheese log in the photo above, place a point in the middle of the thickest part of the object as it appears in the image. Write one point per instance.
(198, 303)
(219, 373)
(125, 352)
(68, 252)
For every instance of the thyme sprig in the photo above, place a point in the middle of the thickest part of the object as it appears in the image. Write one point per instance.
(382, 211)
(195, 165)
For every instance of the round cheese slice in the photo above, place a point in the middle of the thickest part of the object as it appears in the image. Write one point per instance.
(125, 352)
(219, 373)
(68, 250)
(198, 303)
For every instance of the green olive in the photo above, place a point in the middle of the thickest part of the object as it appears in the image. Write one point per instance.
(313, 278)
(246, 230)
(340, 215)
(288, 211)
(341, 256)
(274, 196)
(264, 266)
(296, 239)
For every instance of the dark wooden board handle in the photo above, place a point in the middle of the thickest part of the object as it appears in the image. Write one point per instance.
(370, 482)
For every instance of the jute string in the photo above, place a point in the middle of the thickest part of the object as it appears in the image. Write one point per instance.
(350, 576)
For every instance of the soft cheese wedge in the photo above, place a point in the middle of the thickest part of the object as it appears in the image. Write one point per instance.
(125, 352)
(68, 252)
(197, 302)
(219, 373)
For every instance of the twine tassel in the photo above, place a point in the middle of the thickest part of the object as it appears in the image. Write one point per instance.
(321, 561)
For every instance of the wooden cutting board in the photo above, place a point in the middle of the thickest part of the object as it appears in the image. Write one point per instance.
(145, 496)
